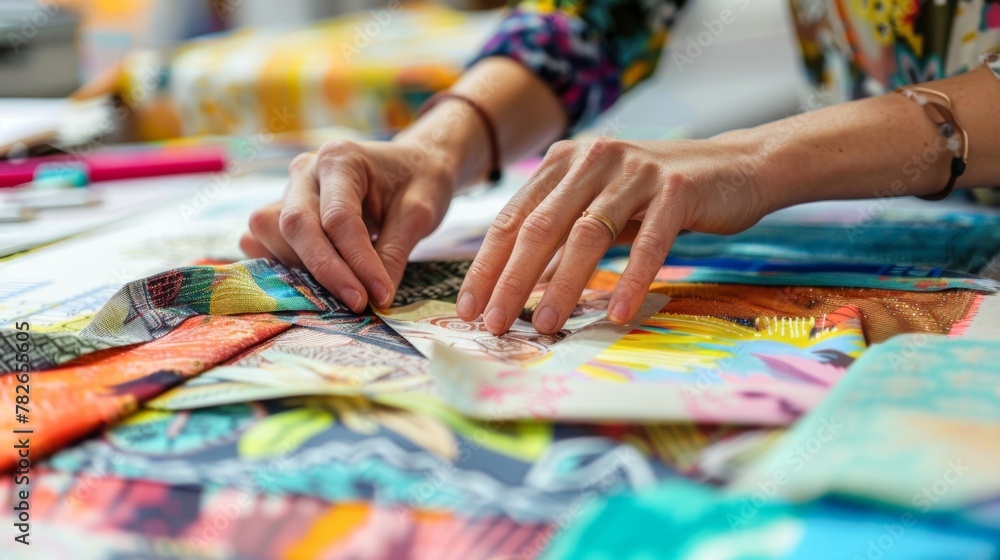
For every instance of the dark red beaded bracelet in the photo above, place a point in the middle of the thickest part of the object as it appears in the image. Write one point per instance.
(495, 174)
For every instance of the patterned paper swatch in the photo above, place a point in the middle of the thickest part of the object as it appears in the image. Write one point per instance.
(915, 423)
(672, 367)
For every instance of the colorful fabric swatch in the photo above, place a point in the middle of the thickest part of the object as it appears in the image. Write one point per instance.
(414, 453)
(72, 401)
(779, 384)
(962, 242)
(778, 273)
(883, 313)
(142, 519)
(146, 309)
(369, 71)
(329, 353)
(684, 521)
(672, 367)
(587, 331)
(915, 424)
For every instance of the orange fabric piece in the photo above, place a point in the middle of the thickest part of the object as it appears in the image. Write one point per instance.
(884, 313)
(339, 523)
(98, 389)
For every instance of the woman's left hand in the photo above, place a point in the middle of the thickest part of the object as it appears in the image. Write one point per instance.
(712, 186)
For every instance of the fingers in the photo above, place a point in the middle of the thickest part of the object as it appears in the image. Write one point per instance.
(550, 269)
(408, 220)
(587, 243)
(344, 175)
(485, 271)
(544, 229)
(253, 248)
(300, 226)
(530, 229)
(649, 250)
(537, 241)
(265, 239)
(591, 237)
(631, 196)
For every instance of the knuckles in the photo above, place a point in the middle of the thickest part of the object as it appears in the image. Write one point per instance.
(510, 287)
(333, 215)
(675, 187)
(561, 149)
(264, 220)
(478, 273)
(592, 152)
(345, 156)
(354, 256)
(337, 149)
(291, 221)
(600, 149)
(589, 234)
(678, 181)
(648, 248)
(640, 169)
(603, 145)
(629, 286)
(301, 163)
(564, 292)
(422, 215)
(394, 254)
(539, 227)
(507, 222)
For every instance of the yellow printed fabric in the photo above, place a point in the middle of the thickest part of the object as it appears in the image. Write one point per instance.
(369, 71)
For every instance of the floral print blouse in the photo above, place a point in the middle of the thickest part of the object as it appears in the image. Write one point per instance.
(592, 51)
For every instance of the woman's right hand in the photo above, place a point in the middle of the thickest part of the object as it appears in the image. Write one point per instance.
(352, 213)
(348, 193)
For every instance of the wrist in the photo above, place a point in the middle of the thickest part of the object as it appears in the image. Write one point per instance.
(758, 165)
(872, 148)
(451, 136)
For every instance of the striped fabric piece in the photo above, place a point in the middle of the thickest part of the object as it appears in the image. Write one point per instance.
(147, 309)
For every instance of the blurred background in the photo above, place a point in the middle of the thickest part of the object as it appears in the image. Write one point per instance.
(197, 68)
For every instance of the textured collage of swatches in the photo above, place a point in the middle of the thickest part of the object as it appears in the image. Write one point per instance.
(898, 462)
(244, 385)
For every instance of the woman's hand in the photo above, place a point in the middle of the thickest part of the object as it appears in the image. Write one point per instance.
(351, 214)
(399, 191)
(667, 186)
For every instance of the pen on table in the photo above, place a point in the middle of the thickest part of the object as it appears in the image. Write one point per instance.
(10, 214)
(62, 189)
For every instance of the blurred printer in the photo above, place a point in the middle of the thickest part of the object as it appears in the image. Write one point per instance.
(38, 50)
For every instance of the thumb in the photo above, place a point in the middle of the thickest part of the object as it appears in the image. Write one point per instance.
(408, 219)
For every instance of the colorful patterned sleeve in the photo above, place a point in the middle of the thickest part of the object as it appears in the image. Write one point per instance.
(588, 51)
(990, 196)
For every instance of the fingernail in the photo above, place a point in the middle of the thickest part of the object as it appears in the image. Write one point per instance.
(351, 297)
(619, 313)
(381, 294)
(466, 304)
(545, 319)
(495, 320)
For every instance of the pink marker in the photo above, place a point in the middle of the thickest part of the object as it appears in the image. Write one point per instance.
(119, 164)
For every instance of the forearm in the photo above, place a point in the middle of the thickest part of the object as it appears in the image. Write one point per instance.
(527, 114)
(551, 68)
(876, 147)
